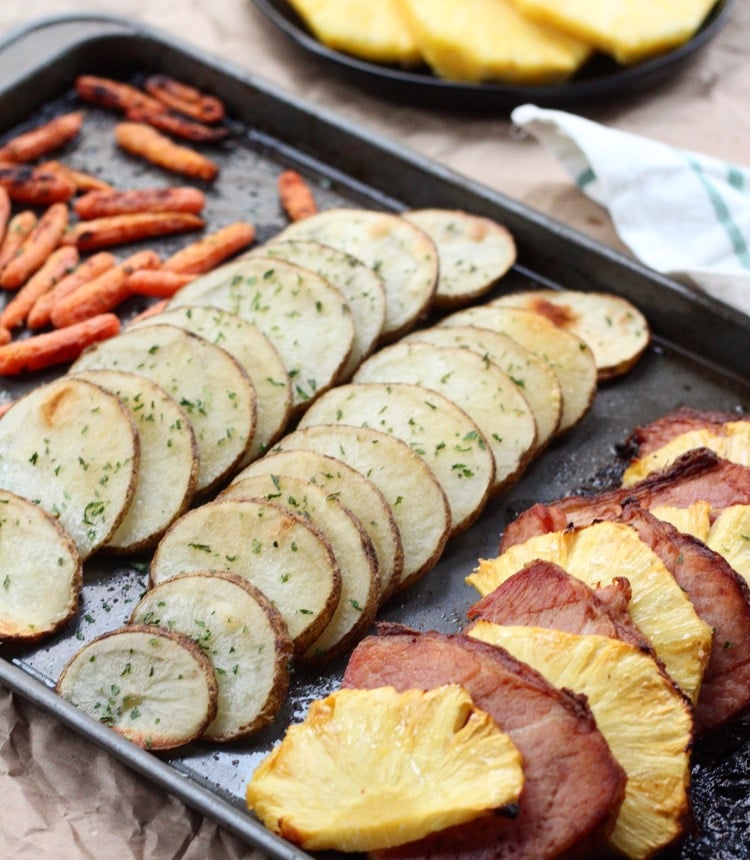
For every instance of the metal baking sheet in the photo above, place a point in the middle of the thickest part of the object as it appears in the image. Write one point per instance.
(347, 166)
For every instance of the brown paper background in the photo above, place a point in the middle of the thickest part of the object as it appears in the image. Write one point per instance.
(63, 798)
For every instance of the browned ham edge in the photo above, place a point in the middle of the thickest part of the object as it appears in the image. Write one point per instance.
(573, 786)
(650, 437)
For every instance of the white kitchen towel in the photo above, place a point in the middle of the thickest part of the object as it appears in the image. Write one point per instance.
(684, 214)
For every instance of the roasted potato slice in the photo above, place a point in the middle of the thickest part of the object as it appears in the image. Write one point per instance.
(614, 329)
(352, 550)
(402, 255)
(596, 554)
(40, 571)
(474, 252)
(215, 392)
(415, 496)
(72, 448)
(536, 379)
(255, 353)
(646, 722)
(438, 430)
(570, 358)
(168, 466)
(370, 769)
(356, 492)
(304, 316)
(282, 554)
(241, 633)
(360, 285)
(473, 382)
(155, 687)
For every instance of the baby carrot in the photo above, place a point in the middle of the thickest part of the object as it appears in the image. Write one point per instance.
(142, 140)
(38, 245)
(208, 252)
(158, 283)
(4, 212)
(130, 227)
(35, 186)
(185, 98)
(109, 93)
(55, 347)
(81, 180)
(296, 196)
(151, 311)
(55, 267)
(101, 204)
(31, 145)
(19, 228)
(179, 126)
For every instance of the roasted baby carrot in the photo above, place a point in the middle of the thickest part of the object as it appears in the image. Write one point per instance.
(208, 252)
(55, 347)
(142, 140)
(92, 267)
(5, 336)
(19, 228)
(185, 98)
(157, 283)
(179, 126)
(81, 180)
(5, 212)
(55, 267)
(35, 186)
(296, 196)
(37, 246)
(131, 227)
(31, 145)
(102, 204)
(109, 93)
(150, 311)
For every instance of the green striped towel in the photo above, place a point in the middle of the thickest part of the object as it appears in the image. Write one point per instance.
(684, 214)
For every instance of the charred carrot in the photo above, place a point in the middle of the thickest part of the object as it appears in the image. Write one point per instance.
(31, 145)
(40, 314)
(19, 228)
(142, 140)
(5, 211)
(55, 267)
(103, 293)
(131, 227)
(151, 311)
(185, 98)
(35, 186)
(37, 246)
(102, 204)
(108, 93)
(157, 283)
(208, 252)
(55, 347)
(180, 126)
(80, 180)
(296, 196)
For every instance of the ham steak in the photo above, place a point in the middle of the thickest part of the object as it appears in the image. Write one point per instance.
(650, 437)
(573, 786)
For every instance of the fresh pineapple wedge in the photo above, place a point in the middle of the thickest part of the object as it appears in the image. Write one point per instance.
(695, 519)
(596, 554)
(729, 535)
(731, 442)
(646, 722)
(371, 769)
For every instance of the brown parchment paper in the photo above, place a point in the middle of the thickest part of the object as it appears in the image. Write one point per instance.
(63, 798)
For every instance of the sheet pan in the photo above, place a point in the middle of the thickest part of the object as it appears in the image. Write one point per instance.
(700, 356)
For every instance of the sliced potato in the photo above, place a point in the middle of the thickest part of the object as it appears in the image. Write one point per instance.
(536, 379)
(255, 353)
(215, 392)
(414, 494)
(355, 492)
(646, 722)
(371, 769)
(731, 442)
(614, 329)
(658, 606)
(402, 255)
(729, 535)
(476, 384)
(437, 430)
(352, 550)
(72, 448)
(282, 554)
(360, 285)
(474, 252)
(241, 633)
(570, 358)
(40, 571)
(304, 316)
(168, 466)
(155, 687)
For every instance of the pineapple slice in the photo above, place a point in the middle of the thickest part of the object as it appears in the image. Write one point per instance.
(646, 722)
(730, 537)
(596, 554)
(731, 442)
(371, 769)
(692, 520)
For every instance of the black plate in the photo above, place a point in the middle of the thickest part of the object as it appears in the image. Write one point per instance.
(601, 77)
